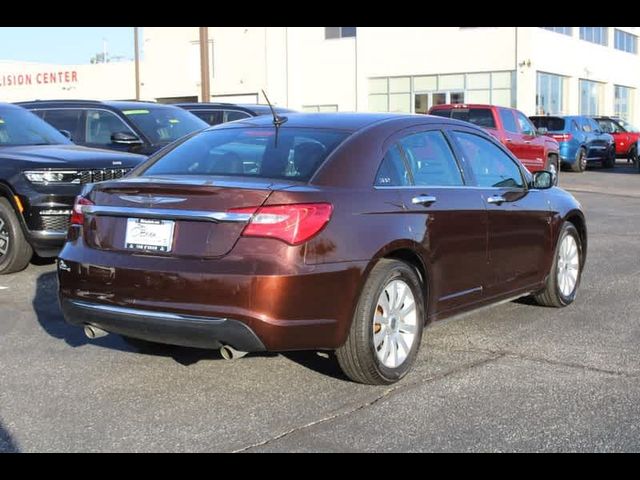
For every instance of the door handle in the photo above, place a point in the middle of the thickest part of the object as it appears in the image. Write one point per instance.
(508, 140)
(423, 199)
(527, 142)
(497, 199)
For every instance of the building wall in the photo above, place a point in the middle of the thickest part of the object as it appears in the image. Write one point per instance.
(30, 81)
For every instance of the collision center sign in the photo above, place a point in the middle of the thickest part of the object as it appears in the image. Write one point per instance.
(59, 77)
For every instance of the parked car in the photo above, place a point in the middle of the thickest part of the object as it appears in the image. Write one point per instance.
(216, 113)
(354, 231)
(625, 135)
(581, 140)
(513, 129)
(137, 127)
(41, 173)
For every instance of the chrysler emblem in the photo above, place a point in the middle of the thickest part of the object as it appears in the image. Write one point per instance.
(151, 199)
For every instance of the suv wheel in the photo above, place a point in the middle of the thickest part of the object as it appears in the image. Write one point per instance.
(387, 326)
(15, 251)
(580, 165)
(553, 166)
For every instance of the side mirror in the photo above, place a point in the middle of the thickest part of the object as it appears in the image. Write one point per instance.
(66, 133)
(542, 180)
(543, 131)
(125, 138)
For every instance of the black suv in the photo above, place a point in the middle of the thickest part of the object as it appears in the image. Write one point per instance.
(41, 173)
(137, 127)
(216, 113)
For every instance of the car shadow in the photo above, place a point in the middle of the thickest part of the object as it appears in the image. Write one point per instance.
(622, 167)
(7, 443)
(47, 310)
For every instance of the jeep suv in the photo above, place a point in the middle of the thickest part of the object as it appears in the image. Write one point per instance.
(216, 113)
(136, 127)
(625, 135)
(513, 129)
(41, 173)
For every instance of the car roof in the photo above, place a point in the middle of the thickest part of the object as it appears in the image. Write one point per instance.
(253, 107)
(9, 106)
(350, 121)
(467, 105)
(115, 104)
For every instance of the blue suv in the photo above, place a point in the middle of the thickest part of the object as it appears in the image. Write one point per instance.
(581, 140)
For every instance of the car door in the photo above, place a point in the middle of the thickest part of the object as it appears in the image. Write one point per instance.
(512, 139)
(519, 219)
(448, 220)
(533, 144)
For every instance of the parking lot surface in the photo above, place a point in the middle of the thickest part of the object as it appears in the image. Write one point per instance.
(514, 377)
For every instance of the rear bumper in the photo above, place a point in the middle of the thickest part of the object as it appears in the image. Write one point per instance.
(186, 330)
(287, 305)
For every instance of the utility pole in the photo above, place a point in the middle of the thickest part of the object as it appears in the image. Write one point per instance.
(204, 64)
(136, 53)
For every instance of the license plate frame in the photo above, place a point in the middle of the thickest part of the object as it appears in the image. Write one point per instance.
(149, 235)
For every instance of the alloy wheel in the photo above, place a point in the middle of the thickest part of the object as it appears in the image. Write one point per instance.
(4, 238)
(394, 324)
(568, 265)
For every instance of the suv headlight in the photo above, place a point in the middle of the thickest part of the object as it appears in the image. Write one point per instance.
(44, 177)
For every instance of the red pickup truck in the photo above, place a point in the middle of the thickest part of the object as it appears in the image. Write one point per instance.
(512, 128)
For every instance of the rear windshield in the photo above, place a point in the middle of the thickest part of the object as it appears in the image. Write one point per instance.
(164, 125)
(552, 124)
(250, 152)
(482, 117)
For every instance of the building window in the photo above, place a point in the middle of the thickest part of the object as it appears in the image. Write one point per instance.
(623, 102)
(563, 30)
(418, 94)
(625, 41)
(339, 32)
(590, 97)
(320, 108)
(550, 95)
(594, 35)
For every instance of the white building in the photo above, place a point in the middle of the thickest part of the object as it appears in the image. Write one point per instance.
(570, 70)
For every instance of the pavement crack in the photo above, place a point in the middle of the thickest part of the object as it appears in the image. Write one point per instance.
(548, 361)
(386, 393)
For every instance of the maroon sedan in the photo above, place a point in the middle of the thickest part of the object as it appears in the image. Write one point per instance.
(345, 232)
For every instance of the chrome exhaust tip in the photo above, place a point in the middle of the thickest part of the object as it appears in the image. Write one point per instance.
(230, 353)
(94, 332)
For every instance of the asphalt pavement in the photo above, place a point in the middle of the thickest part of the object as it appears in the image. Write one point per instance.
(514, 377)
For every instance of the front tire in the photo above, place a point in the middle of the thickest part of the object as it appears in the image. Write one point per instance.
(553, 165)
(15, 251)
(610, 160)
(580, 165)
(564, 278)
(387, 326)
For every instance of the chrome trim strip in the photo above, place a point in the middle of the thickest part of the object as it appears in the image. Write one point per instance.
(144, 313)
(48, 234)
(166, 213)
(460, 294)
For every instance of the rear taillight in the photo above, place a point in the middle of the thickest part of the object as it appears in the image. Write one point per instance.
(77, 217)
(562, 137)
(293, 224)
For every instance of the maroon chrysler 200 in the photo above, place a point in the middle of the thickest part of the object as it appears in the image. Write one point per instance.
(345, 232)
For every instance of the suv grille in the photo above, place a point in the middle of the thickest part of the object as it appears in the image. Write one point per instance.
(55, 223)
(100, 174)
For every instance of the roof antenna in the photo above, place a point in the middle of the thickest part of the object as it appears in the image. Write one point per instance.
(277, 120)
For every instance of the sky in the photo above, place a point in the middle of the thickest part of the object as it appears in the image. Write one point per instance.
(64, 45)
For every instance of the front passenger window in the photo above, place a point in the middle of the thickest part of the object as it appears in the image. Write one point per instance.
(392, 171)
(490, 165)
(101, 125)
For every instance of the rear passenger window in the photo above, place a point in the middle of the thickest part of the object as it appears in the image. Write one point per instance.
(508, 122)
(431, 160)
(212, 117)
(586, 127)
(231, 115)
(67, 119)
(392, 171)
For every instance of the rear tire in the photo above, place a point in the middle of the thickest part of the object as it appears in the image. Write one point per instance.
(387, 326)
(564, 278)
(15, 251)
(580, 165)
(553, 165)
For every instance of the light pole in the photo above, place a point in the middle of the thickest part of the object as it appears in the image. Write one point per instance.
(204, 64)
(136, 53)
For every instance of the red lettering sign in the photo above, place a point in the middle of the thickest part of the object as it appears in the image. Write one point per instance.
(24, 79)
